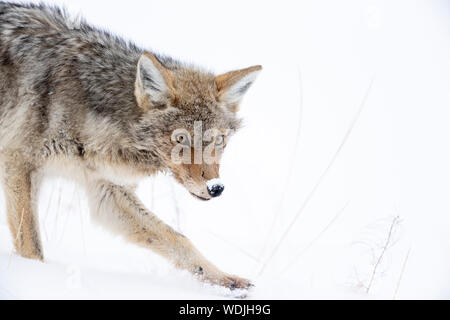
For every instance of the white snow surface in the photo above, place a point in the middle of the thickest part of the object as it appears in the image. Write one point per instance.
(314, 181)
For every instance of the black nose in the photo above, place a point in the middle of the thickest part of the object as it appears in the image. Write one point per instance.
(216, 190)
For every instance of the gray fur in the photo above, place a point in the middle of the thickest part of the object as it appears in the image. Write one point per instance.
(69, 102)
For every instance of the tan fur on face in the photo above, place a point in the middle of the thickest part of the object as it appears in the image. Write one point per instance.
(195, 176)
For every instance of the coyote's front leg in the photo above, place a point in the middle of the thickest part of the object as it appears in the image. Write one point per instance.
(20, 185)
(120, 210)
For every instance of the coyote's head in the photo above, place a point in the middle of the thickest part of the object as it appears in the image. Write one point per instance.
(190, 116)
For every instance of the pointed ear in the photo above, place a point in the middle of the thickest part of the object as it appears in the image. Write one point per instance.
(153, 87)
(233, 85)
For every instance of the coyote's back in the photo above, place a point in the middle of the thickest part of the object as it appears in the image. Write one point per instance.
(54, 70)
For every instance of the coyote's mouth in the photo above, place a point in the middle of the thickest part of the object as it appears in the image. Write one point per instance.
(198, 197)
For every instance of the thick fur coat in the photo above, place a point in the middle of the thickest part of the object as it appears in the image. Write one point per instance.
(80, 102)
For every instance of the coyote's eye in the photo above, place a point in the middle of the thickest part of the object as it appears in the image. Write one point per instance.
(183, 139)
(220, 140)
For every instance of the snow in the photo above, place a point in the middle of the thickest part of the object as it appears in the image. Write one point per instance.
(315, 180)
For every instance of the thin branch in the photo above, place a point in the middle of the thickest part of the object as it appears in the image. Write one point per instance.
(317, 238)
(291, 166)
(17, 235)
(385, 247)
(44, 223)
(321, 178)
(177, 208)
(235, 246)
(58, 211)
(67, 217)
(401, 274)
(83, 237)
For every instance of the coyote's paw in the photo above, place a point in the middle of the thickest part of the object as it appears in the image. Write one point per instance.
(233, 282)
(212, 275)
(228, 281)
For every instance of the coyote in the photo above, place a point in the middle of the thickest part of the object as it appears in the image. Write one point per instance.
(80, 102)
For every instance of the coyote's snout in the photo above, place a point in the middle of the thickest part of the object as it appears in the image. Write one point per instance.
(86, 104)
(201, 181)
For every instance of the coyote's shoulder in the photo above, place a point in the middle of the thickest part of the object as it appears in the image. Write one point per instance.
(79, 99)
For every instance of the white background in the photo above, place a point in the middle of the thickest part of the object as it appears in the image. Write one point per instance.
(315, 179)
